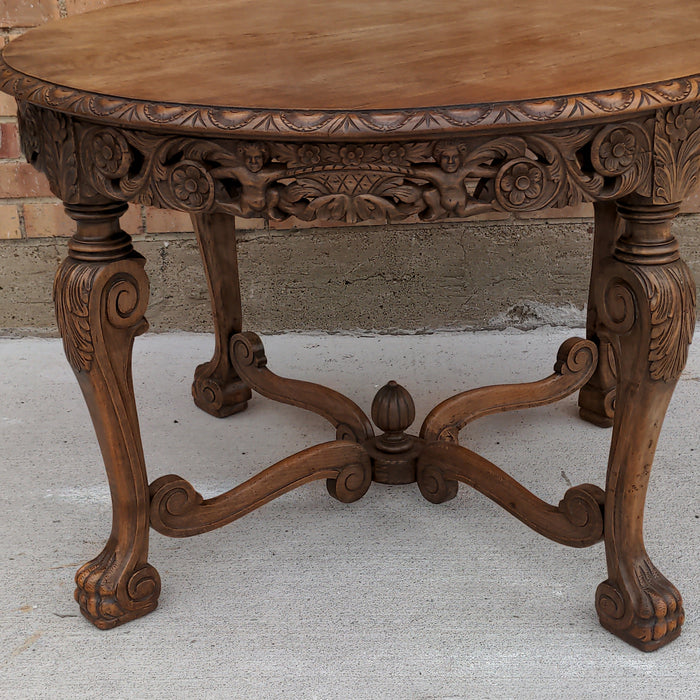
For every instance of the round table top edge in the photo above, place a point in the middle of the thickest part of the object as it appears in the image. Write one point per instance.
(259, 123)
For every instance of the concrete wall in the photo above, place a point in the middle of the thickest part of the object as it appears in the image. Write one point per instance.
(520, 273)
(487, 273)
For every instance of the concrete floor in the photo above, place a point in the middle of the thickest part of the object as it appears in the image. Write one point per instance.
(390, 597)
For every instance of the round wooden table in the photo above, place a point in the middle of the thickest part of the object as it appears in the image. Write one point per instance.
(373, 112)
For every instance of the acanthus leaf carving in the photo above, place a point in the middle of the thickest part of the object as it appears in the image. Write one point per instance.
(671, 293)
(48, 143)
(676, 152)
(75, 285)
(72, 287)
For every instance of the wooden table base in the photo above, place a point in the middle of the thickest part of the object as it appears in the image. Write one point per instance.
(101, 294)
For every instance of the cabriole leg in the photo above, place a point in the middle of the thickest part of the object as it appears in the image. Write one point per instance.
(597, 398)
(647, 305)
(101, 293)
(217, 389)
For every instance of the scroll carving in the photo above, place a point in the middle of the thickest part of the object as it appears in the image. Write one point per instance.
(645, 306)
(670, 304)
(576, 362)
(653, 618)
(177, 510)
(73, 288)
(577, 521)
(109, 602)
(248, 358)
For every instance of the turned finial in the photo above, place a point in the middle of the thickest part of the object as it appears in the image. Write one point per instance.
(393, 412)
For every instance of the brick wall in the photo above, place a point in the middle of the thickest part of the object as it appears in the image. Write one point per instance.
(27, 208)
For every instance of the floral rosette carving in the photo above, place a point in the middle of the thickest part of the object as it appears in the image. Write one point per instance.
(110, 153)
(617, 148)
(681, 121)
(520, 185)
(191, 186)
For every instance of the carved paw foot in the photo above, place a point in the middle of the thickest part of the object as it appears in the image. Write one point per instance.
(110, 593)
(219, 393)
(647, 614)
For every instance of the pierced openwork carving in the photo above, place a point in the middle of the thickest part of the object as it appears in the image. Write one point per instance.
(348, 182)
(638, 147)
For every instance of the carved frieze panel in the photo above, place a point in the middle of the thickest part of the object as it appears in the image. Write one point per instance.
(345, 182)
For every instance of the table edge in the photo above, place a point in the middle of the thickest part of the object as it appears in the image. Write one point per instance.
(256, 123)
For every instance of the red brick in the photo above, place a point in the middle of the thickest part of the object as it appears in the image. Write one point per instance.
(45, 219)
(8, 106)
(249, 224)
(75, 7)
(27, 13)
(9, 140)
(580, 211)
(9, 222)
(166, 221)
(132, 222)
(19, 179)
(292, 223)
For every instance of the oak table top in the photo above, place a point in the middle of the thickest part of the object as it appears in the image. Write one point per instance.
(374, 112)
(468, 62)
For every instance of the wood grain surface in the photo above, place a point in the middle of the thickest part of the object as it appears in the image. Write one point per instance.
(344, 54)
